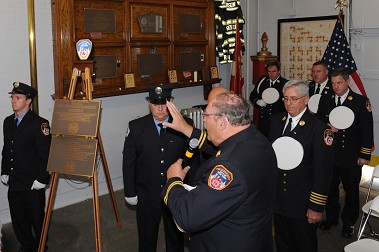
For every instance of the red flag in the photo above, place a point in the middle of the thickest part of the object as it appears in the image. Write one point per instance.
(236, 80)
(338, 55)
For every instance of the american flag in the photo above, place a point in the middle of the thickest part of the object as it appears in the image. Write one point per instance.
(338, 55)
(237, 79)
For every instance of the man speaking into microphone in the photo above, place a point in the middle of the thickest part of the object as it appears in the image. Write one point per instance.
(231, 205)
(149, 149)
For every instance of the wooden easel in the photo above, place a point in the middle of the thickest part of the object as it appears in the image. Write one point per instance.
(87, 82)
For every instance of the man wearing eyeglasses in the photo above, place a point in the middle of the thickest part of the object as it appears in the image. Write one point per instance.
(149, 149)
(301, 192)
(23, 166)
(230, 207)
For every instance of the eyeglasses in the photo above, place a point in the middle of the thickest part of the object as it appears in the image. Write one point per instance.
(206, 115)
(292, 99)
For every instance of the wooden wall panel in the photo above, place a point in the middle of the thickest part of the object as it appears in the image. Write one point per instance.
(129, 39)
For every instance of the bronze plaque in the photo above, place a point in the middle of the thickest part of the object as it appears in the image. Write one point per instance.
(190, 23)
(149, 64)
(105, 66)
(99, 20)
(190, 61)
(72, 155)
(151, 23)
(75, 117)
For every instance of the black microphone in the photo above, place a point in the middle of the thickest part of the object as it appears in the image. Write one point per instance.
(193, 144)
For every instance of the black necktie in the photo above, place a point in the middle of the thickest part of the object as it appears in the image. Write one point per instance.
(318, 89)
(339, 101)
(161, 131)
(272, 83)
(287, 130)
(15, 122)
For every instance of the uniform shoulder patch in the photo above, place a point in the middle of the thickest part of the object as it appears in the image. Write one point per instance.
(368, 106)
(328, 137)
(45, 128)
(220, 178)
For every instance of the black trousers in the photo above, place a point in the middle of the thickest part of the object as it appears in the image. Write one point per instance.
(350, 177)
(148, 219)
(295, 234)
(27, 214)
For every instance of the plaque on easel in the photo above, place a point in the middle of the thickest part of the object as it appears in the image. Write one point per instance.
(74, 148)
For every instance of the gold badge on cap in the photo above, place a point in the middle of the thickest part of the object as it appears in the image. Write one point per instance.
(158, 90)
(350, 97)
(16, 84)
(301, 123)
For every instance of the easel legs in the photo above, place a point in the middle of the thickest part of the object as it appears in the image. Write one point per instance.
(49, 207)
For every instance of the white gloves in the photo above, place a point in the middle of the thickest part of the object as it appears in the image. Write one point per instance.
(132, 200)
(261, 103)
(4, 179)
(37, 185)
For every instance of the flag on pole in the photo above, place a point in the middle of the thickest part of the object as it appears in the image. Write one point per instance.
(237, 80)
(338, 55)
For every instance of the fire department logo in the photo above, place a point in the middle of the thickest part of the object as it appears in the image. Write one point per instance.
(84, 48)
(45, 128)
(220, 178)
(328, 137)
(368, 106)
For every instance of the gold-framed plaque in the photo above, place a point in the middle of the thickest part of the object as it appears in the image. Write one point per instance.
(172, 76)
(129, 80)
(214, 72)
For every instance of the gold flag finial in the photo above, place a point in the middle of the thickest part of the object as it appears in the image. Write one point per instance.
(341, 4)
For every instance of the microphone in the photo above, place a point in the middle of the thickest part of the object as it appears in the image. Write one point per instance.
(193, 144)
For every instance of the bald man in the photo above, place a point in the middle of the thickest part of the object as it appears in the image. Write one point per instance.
(216, 91)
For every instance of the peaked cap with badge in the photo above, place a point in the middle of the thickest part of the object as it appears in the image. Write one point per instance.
(22, 88)
(160, 94)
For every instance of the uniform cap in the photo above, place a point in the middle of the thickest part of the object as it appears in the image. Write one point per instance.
(22, 88)
(160, 94)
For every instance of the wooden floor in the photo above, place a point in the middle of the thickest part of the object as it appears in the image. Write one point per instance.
(72, 229)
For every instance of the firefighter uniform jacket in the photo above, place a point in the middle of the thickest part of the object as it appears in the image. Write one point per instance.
(357, 140)
(26, 151)
(266, 113)
(328, 89)
(146, 159)
(306, 186)
(231, 206)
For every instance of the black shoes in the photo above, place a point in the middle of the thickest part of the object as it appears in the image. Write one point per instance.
(327, 224)
(347, 231)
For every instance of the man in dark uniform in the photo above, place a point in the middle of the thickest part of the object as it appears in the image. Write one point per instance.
(302, 191)
(321, 83)
(149, 149)
(266, 111)
(23, 166)
(231, 205)
(352, 149)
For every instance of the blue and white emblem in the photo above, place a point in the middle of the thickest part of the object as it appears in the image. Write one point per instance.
(84, 48)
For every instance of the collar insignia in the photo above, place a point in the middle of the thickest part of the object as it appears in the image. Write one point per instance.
(284, 118)
(350, 97)
(301, 123)
(218, 153)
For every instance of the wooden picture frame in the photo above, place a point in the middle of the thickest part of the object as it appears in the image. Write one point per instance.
(301, 42)
(129, 80)
(214, 72)
(172, 76)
